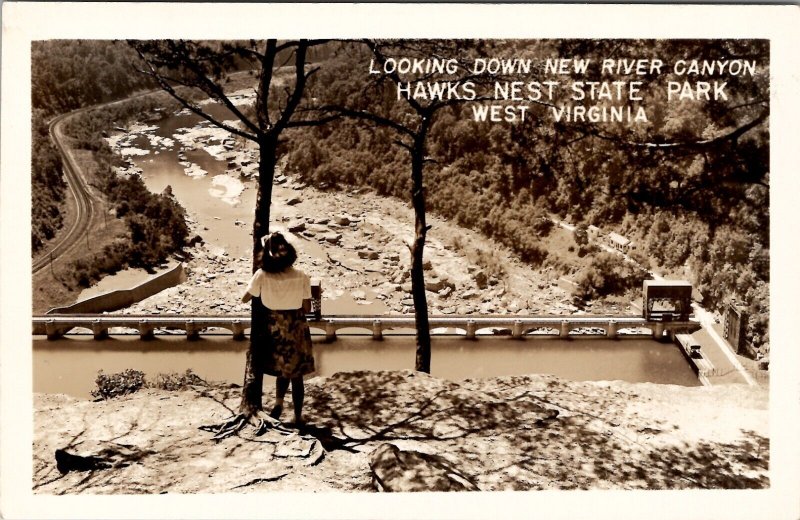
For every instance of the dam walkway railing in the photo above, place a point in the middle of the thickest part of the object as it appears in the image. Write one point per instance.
(100, 325)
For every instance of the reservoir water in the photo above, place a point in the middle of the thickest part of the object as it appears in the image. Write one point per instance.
(70, 365)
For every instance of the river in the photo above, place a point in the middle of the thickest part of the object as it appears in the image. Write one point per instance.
(217, 187)
(211, 197)
(70, 365)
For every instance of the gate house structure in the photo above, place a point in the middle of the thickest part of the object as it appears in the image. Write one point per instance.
(667, 300)
(733, 325)
(620, 243)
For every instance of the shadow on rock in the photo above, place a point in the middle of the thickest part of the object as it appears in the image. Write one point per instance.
(517, 433)
(112, 455)
(396, 470)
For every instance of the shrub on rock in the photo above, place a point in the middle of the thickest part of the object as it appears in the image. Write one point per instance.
(115, 385)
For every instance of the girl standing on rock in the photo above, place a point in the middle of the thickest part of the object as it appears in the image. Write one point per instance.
(285, 292)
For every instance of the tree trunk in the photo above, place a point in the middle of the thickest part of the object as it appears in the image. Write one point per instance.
(423, 358)
(252, 388)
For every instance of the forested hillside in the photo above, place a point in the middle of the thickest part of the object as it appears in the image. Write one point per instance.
(690, 186)
(67, 75)
(70, 74)
(47, 183)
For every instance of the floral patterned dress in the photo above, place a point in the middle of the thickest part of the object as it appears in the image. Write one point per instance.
(289, 353)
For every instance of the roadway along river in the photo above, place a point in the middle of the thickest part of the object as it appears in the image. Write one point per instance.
(84, 202)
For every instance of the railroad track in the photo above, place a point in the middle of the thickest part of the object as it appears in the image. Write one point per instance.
(84, 201)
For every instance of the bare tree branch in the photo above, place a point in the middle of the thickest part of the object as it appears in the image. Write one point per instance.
(730, 136)
(299, 87)
(369, 116)
(166, 86)
(312, 122)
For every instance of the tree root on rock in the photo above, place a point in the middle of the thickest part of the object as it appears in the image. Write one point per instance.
(339, 263)
(273, 478)
(260, 420)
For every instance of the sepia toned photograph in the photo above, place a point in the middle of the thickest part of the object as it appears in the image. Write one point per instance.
(399, 265)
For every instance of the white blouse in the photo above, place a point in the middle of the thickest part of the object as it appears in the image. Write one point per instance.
(281, 291)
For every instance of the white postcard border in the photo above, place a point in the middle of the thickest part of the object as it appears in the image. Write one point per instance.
(24, 22)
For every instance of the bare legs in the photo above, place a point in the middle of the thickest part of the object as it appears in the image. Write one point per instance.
(298, 395)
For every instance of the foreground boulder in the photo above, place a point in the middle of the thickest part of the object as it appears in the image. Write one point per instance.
(396, 470)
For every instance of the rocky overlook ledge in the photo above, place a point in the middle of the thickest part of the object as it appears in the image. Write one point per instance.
(407, 431)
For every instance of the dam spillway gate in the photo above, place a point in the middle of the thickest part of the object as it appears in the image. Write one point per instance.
(101, 325)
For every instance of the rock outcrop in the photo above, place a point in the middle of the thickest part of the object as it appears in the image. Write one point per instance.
(408, 431)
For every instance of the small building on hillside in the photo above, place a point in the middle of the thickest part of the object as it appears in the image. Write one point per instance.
(593, 232)
(734, 323)
(620, 243)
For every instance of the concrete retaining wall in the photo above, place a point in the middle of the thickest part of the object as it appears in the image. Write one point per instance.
(115, 300)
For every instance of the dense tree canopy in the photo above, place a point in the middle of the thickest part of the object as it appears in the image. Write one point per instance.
(690, 186)
(72, 74)
(47, 184)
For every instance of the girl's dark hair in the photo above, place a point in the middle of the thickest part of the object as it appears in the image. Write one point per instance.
(278, 254)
